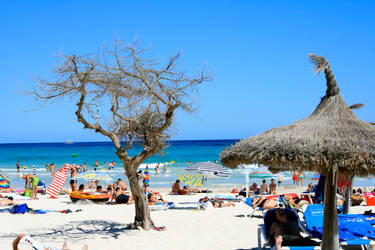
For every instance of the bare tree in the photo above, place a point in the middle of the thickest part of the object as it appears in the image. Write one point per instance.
(124, 95)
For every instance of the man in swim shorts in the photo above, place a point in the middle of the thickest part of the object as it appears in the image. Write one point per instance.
(73, 180)
(122, 198)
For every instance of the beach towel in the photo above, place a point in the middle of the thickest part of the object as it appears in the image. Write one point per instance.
(23, 208)
(58, 182)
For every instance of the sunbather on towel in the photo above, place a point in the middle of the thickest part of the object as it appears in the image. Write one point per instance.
(176, 189)
(286, 233)
(7, 202)
(36, 244)
(262, 202)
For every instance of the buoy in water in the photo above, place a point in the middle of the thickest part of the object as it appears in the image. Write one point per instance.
(173, 162)
(74, 155)
(24, 167)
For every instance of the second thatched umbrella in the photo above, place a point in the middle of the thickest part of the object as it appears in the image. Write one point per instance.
(331, 139)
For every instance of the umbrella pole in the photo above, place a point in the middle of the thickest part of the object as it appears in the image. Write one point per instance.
(330, 222)
(348, 193)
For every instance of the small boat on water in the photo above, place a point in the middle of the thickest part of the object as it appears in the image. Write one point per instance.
(68, 141)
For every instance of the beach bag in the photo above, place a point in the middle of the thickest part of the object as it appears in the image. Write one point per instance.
(27, 192)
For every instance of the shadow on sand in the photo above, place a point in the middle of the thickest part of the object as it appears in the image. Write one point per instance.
(78, 230)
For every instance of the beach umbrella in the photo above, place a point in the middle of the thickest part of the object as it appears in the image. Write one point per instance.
(195, 180)
(4, 184)
(92, 176)
(331, 139)
(4, 175)
(147, 176)
(260, 174)
(209, 168)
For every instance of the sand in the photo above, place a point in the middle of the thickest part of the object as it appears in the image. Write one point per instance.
(104, 226)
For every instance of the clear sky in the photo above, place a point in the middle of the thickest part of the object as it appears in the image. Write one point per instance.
(257, 51)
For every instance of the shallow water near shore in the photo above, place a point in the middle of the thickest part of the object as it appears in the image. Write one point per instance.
(175, 156)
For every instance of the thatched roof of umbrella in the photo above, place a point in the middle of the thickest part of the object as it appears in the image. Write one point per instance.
(331, 136)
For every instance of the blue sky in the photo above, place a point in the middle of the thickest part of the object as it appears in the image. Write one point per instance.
(257, 51)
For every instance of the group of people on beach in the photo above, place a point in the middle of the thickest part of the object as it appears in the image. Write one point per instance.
(157, 168)
(298, 176)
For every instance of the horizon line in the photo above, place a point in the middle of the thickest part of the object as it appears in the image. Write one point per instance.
(2, 143)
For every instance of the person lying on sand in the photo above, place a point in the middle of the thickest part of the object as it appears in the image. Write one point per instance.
(37, 245)
(262, 202)
(7, 202)
(218, 203)
(215, 203)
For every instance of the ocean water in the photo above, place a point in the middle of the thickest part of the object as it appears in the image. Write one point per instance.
(176, 155)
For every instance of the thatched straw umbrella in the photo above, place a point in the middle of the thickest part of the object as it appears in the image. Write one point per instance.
(331, 139)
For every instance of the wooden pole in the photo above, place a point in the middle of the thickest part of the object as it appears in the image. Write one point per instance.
(330, 224)
(348, 193)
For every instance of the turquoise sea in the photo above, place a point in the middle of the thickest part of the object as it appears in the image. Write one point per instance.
(176, 156)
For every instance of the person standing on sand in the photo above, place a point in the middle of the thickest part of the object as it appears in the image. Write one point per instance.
(34, 186)
(295, 177)
(264, 188)
(52, 169)
(272, 187)
(73, 180)
(18, 166)
(301, 175)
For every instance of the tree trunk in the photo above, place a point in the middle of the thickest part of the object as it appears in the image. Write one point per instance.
(330, 222)
(142, 211)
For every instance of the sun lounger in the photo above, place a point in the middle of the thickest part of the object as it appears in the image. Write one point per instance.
(269, 218)
(353, 229)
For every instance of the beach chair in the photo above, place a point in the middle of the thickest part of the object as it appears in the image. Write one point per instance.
(264, 229)
(354, 229)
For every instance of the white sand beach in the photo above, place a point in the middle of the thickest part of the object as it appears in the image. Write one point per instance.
(104, 226)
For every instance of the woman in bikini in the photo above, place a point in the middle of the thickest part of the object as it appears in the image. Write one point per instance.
(264, 203)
